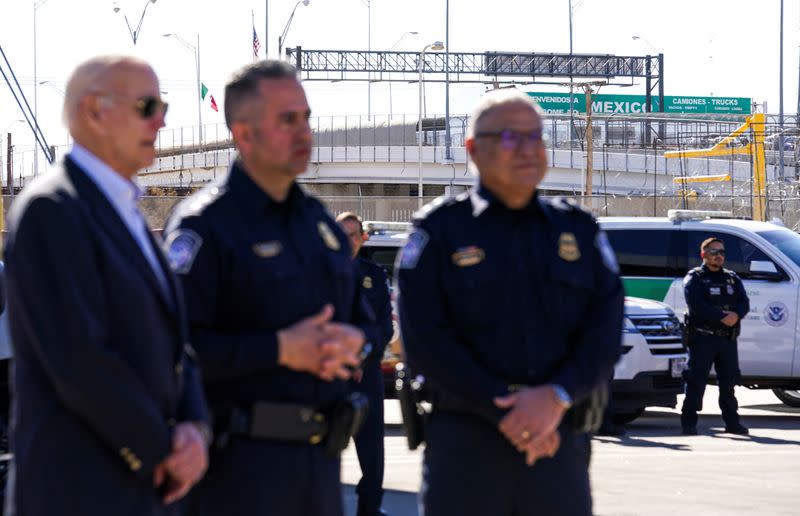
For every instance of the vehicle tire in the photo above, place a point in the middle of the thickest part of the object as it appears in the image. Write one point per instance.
(788, 397)
(623, 418)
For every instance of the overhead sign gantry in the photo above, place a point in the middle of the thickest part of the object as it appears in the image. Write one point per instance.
(490, 67)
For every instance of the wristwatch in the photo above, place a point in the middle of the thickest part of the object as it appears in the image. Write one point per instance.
(562, 396)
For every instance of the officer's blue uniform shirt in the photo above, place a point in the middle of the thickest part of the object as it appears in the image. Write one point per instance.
(709, 292)
(375, 285)
(491, 297)
(250, 267)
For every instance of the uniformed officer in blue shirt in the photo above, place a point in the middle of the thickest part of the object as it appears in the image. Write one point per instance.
(276, 313)
(717, 303)
(369, 379)
(511, 306)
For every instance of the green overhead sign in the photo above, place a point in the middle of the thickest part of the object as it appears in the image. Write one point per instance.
(559, 103)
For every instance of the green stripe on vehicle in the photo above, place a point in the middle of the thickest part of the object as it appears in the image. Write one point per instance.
(648, 288)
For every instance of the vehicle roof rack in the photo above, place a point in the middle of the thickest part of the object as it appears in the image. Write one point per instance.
(676, 215)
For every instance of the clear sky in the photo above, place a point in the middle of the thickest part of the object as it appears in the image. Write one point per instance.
(724, 48)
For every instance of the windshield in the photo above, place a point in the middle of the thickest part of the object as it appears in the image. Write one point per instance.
(787, 241)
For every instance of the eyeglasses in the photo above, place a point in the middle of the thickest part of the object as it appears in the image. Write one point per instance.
(511, 139)
(716, 252)
(146, 107)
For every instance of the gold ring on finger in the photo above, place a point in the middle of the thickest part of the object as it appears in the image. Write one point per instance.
(525, 435)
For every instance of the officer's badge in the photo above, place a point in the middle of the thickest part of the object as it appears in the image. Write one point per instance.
(328, 237)
(568, 247)
(606, 253)
(409, 255)
(367, 282)
(182, 247)
(468, 256)
(267, 249)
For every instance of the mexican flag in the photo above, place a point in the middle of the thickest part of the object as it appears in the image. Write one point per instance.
(204, 93)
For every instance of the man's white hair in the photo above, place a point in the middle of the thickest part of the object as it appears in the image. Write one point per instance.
(501, 97)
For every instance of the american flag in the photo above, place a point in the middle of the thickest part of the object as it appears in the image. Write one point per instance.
(256, 45)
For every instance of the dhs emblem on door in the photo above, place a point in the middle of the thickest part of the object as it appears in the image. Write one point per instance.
(776, 314)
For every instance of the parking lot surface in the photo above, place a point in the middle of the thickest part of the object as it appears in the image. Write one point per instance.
(654, 470)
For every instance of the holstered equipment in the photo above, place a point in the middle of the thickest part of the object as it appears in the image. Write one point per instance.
(410, 395)
(292, 422)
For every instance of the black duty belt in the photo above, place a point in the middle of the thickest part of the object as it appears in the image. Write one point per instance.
(715, 333)
(280, 422)
(292, 422)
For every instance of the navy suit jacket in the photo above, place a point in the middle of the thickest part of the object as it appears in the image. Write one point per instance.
(102, 370)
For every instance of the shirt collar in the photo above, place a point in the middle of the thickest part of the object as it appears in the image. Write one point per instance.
(119, 191)
(482, 198)
(253, 196)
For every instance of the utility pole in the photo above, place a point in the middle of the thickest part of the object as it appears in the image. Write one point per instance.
(586, 180)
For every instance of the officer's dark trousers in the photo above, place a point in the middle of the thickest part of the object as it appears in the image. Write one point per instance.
(722, 353)
(369, 443)
(266, 478)
(470, 468)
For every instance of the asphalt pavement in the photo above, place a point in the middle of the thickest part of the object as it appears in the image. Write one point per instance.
(654, 470)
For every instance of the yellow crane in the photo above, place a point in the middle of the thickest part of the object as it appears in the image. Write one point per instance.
(755, 123)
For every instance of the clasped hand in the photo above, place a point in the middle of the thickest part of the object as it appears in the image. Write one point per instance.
(531, 424)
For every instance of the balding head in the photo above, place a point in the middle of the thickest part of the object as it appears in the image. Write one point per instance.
(113, 108)
(497, 98)
(98, 74)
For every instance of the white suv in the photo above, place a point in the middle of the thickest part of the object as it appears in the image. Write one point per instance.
(647, 374)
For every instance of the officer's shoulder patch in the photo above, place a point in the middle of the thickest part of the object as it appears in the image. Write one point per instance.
(606, 252)
(182, 248)
(412, 250)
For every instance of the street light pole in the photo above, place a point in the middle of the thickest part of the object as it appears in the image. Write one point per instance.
(282, 37)
(60, 92)
(413, 33)
(36, 5)
(436, 46)
(196, 50)
(448, 158)
(780, 101)
(134, 33)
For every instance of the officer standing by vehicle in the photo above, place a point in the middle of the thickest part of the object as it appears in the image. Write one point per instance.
(369, 379)
(717, 303)
(277, 316)
(511, 306)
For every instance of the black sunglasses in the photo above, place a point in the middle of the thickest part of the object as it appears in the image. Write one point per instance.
(511, 139)
(715, 252)
(147, 107)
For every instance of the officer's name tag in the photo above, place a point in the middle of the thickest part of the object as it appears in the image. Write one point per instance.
(267, 249)
(714, 291)
(468, 256)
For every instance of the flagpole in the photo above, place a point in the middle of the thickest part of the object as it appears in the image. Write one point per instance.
(266, 29)
(253, 21)
(200, 93)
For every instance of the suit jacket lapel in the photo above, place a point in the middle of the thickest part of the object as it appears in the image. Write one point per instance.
(107, 216)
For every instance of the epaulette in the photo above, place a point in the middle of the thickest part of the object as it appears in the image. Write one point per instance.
(696, 270)
(568, 205)
(197, 202)
(437, 204)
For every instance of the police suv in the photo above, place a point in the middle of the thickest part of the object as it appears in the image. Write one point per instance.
(647, 374)
(655, 254)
